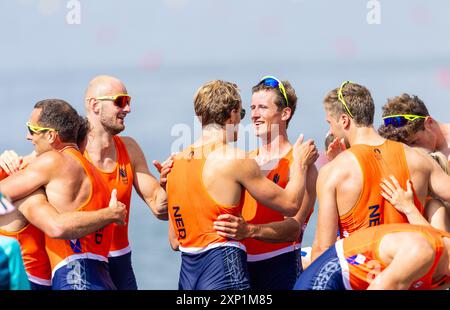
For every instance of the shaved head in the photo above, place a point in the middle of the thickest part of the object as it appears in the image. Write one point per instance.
(104, 113)
(104, 85)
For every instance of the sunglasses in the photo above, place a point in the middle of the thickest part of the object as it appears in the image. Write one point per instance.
(272, 81)
(400, 120)
(341, 98)
(37, 129)
(120, 100)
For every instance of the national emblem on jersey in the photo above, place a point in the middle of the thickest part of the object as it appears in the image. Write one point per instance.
(276, 178)
(75, 245)
(356, 259)
(123, 175)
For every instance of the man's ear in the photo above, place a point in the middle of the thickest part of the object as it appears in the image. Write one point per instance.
(52, 136)
(345, 120)
(94, 105)
(429, 123)
(286, 113)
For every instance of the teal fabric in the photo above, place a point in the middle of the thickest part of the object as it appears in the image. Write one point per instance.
(12, 270)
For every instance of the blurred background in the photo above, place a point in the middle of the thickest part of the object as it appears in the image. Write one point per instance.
(164, 50)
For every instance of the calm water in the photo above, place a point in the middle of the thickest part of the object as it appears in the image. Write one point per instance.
(163, 98)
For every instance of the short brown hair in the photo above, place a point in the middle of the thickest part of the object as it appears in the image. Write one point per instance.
(280, 102)
(214, 101)
(403, 104)
(60, 115)
(359, 102)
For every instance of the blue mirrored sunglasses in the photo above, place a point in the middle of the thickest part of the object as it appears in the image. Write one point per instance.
(398, 121)
(275, 83)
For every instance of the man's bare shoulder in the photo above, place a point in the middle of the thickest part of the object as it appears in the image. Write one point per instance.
(417, 158)
(48, 160)
(130, 144)
(233, 160)
(341, 166)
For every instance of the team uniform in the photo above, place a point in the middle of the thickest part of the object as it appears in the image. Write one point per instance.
(209, 261)
(272, 266)
(82, 264)
(121, 178)
(353, 262)
(12, 271)
(371, 209)
(35, 258)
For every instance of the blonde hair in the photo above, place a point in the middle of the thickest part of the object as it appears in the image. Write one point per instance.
(214, 101)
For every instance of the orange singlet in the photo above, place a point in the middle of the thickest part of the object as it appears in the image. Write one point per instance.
(360, 261)
(192, 210)
(121, 178)
(255, 213)
(32, 245)
(35, 258)
(82, 263)
(371, 209)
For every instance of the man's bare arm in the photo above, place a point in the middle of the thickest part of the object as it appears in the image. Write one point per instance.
(36, 175)
(146, 185)
(286, 201)
(288, 230)
(68, 225)
(328, 216)
(412, 257)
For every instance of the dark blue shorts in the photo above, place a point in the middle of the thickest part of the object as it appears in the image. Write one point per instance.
(324, 273)
(39, 287)
(276, 273)
(222, 268)
(122, 272)
(83, 274)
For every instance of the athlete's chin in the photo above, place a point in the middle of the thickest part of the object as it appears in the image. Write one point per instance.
(115, 130)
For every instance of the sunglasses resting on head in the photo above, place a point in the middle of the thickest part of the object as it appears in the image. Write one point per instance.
(400, 120)
(272, 81)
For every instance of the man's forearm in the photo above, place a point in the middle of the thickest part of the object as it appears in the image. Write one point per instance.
(282, 231)
(78, 224)
(296, 186)
(158, 204)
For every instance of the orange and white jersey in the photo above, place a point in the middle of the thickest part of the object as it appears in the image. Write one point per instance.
(254, 212)
(360, 261)
(371, 209)
(94, 246)
(121, 178)
(32, 245)
(192, 211)
(35, 258)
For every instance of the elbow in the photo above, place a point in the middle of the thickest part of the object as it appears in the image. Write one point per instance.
(56, 231)
(291, 210)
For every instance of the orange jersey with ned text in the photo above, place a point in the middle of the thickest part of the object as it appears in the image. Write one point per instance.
(121, 178)
(192, 210)
(95, 245)
(361, 263)
(371, 209)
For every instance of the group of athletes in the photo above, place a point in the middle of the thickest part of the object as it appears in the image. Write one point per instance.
(237, 217)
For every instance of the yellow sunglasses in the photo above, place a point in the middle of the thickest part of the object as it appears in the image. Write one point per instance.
(341, 97)
(37, 129)
(120, 100)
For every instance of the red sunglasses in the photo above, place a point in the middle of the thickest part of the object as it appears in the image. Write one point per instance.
(120, 100)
